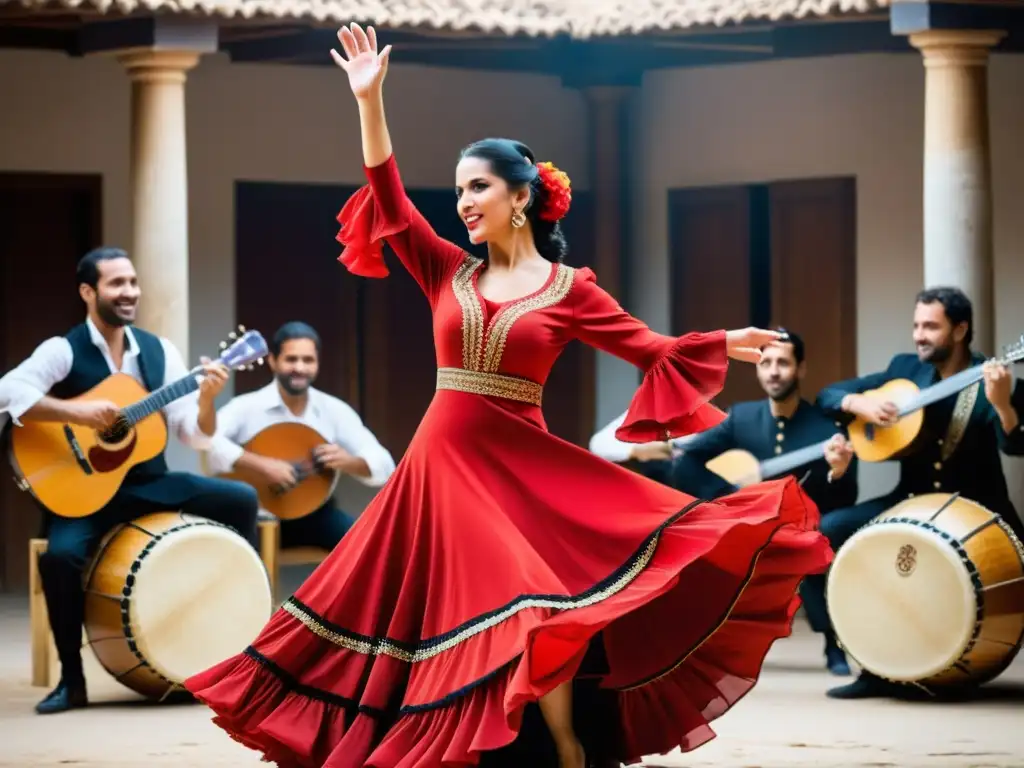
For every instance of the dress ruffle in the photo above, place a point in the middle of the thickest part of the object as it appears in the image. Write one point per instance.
(717, 590)
(689, 374)
(365, 222)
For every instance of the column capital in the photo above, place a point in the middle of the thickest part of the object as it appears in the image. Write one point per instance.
(956, 47)
(154, 65)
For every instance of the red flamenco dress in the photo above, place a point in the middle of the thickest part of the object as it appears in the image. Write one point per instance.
(478, 577)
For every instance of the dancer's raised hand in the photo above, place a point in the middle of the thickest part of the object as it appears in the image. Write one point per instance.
(366, 67)
(746, 344)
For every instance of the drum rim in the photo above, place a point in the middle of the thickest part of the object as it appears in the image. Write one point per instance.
(955, 555)
(135, 644)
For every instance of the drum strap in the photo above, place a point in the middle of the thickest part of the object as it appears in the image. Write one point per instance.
(962, 411)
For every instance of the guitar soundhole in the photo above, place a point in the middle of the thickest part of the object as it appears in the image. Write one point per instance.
(115, 447)
(116, 433)
(869, 431)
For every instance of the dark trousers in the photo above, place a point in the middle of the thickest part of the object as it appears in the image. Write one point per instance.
(323, 528)
(838, 526)
(72, 542)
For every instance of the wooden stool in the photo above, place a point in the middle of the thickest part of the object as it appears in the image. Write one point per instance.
(38, 619)
(274, 557)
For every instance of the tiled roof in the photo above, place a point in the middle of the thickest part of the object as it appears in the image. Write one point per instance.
(578, 18)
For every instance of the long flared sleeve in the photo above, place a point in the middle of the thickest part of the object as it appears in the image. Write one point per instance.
(681, 375)
(382, 212)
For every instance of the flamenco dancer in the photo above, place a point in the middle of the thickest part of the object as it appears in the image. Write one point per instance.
(496, 555)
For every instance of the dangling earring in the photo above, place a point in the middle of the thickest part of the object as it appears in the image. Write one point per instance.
(518, 219)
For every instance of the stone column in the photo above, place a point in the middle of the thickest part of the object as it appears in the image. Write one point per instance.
(159, 183)
(957, 169)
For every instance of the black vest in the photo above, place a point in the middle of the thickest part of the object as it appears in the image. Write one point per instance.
(89, 368)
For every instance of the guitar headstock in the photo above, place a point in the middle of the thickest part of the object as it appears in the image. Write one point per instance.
(242, 349)
(1013, 353)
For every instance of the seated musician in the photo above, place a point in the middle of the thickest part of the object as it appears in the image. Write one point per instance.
(653, 460)
(959, 443)
(767, 428)
(64, 367)
(349, 446)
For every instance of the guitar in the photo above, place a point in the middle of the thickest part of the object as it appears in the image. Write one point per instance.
(870, 442)
(741, 468)
(74, 470)
(294, 443)
(875, 443)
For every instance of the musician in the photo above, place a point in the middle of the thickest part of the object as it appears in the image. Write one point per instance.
(957, 450)
(41, 389)
(350, 447)
(781, 423)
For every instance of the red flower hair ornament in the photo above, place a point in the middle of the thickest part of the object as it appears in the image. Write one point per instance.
(559, 192)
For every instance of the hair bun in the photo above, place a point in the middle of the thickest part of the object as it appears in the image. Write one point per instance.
(559, 192)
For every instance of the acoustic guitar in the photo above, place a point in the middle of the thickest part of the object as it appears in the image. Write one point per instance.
(870, 442)
(741, 468)
(875, 443)
(74, 470)
(293, 443)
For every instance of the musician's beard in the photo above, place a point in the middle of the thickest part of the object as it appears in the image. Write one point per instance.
(785, 393)
(108, 314)
(285, 380)
(935, 355)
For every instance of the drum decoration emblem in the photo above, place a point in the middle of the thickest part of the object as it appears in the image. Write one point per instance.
(906, 560)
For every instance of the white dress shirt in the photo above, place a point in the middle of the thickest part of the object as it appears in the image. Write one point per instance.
(246, 415)
(50, 363)
(606, 445)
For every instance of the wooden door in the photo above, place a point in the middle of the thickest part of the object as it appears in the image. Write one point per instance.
(710, 237)
(286, 268)
(570, 391)
(399, 360)
(814, 272)
(47, 223)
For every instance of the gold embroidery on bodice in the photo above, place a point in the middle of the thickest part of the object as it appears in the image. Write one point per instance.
(482, 348)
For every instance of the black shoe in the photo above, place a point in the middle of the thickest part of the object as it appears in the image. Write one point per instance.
(835, 661)
(868, 686)
(62, 698)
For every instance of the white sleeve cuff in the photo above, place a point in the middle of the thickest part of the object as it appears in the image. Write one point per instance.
(222, 454)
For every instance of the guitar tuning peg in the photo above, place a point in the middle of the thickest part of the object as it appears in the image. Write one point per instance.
(223, 345)
(232, 335)
(241, 329)
(259, 361)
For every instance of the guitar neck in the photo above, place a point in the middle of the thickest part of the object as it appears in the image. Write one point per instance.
(780, 465)
(943, 389)
(162, 397)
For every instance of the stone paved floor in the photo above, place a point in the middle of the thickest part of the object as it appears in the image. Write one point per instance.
(785, 723)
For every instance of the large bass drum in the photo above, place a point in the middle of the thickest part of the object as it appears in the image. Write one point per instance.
(931, 592)
(170, 595)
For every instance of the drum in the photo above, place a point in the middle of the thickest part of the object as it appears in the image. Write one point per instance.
(931, 592)
(170, 595)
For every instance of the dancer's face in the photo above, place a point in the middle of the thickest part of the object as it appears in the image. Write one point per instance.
(485, 202)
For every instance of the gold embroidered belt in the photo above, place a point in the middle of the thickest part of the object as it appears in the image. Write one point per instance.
(490, 384)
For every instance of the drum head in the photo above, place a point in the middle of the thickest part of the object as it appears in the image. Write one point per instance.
(200, 596)
(901, 601)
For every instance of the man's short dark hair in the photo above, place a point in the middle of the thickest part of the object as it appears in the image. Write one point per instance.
(796, 341)
(291, 331)
(957, 306)
(88, 270)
